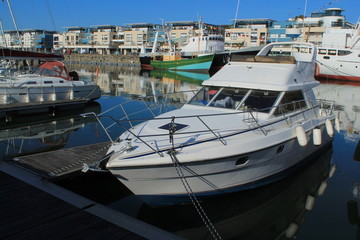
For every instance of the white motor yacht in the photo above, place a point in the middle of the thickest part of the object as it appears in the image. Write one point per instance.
(339, 57)
(251, 123)
(50, 82)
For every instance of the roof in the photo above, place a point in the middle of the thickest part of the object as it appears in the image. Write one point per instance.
(141, 24)
(253, 20)
(105, 26)
(258, 75)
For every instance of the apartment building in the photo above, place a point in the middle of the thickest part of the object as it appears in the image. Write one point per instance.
(76, 39)
(28, 39)
(247, 33)
(140, 37)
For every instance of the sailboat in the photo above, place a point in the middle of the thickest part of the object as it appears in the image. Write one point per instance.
(49, 83)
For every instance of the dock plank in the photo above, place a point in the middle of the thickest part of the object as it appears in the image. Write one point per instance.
(62, 162)
(34, 214)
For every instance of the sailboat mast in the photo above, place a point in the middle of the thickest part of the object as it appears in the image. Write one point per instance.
(2, 32)
(153, 50)
(15, 24)
(167, 34)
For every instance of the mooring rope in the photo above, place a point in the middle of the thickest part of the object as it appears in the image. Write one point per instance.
(185, 183)
(335, 71)
(192, 197)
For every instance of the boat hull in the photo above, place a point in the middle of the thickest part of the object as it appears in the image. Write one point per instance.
(200, 63)
(161, 185)
(48, 94)
(342, 68)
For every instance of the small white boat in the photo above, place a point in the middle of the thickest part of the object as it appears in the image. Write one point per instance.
(252, 123)
(50, 82)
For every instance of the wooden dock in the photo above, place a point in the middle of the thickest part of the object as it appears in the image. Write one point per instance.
(34, 208)
(59, 163)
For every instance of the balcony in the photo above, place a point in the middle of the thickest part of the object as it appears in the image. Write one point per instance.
(293, 32)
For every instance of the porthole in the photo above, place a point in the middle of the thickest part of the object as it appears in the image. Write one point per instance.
(242, 161)
(280, 149)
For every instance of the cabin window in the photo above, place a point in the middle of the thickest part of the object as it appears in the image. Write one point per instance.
(290, 102)
(332, 52)
(343, 52)
(48, 82)
(31, 82)
(242, 161)
(322, 51)
(204, 96)
(260, 100)
(229, 98)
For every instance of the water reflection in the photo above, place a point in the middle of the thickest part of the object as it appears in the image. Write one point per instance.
(118, 81)
(42, 132)
(347, 102)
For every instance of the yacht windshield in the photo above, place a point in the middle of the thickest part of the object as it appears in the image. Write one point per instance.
(229, 98)
(260, 100)
(235, 98)
(219, 97)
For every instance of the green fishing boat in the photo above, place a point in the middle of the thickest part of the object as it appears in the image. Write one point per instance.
(176, 62)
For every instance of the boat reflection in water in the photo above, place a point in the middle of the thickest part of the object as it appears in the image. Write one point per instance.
(273, 211)
(117, 81)
(347, 104)
(40, 133)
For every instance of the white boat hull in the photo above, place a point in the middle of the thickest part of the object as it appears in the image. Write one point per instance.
(162, 184)
(346, 68)
(48, 94)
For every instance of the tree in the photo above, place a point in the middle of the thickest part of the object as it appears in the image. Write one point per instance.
(299, 17)
(340, 22)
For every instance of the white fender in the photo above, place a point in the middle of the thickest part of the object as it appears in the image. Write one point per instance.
(337, 124)
(317, 136)
(332, 171)
(291, 230)
(301, 136)
(310, 200)
(322, 188)
(329, 127)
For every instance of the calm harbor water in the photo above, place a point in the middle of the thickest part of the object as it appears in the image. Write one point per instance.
(319, 201)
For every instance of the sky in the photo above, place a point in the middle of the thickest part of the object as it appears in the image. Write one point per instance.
(54, 15)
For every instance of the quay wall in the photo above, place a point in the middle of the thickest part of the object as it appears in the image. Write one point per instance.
(102, 60)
